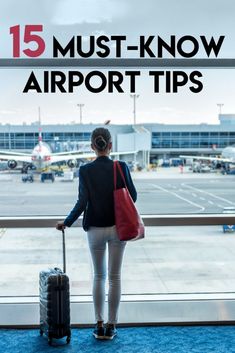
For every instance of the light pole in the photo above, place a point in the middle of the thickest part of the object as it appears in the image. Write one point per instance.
(220, 105)
(134, 96)
(80, 107)
(39, 115)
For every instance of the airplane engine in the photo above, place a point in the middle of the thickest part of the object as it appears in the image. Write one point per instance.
(12, 164)
(72, 163)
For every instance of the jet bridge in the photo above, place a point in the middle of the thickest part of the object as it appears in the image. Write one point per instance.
(138, 140)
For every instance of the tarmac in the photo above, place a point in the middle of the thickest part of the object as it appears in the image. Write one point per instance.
(159, 192)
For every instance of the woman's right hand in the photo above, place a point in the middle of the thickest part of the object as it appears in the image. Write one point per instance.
(60, 225)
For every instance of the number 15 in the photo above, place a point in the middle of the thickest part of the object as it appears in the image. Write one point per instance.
(28, 37)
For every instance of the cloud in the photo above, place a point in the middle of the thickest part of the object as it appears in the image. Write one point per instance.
(27, 11)
(70, 12)
(9, 112)
(94, 33)
(165, 109)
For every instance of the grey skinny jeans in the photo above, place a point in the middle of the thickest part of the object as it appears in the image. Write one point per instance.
(98, 238)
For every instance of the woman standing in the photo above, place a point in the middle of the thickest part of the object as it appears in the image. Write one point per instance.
(95, 199)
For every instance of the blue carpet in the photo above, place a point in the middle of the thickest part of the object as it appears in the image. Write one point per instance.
(177, 339)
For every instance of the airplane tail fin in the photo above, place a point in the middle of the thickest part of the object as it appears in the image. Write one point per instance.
(40, 127)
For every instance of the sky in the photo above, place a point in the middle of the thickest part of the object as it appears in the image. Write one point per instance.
(132, 18)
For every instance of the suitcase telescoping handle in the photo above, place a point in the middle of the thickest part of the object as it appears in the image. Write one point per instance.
(64, 254)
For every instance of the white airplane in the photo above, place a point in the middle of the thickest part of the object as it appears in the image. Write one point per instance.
(42, 156)
(227, 156)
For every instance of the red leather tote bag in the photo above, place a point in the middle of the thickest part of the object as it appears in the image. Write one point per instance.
(128, 222)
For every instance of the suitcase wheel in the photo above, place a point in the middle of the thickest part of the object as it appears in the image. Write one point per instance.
(68, 339)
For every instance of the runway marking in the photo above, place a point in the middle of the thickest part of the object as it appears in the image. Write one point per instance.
(209, 193)
(180, 197)
(194, 195)
(202, 198)
(172, 186)
(2, 232)
(211, 202)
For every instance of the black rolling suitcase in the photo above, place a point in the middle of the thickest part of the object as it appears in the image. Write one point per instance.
(55, 302)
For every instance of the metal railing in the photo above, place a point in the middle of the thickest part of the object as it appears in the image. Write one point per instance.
(149, 220)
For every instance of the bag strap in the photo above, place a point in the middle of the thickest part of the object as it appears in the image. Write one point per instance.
(116, 165)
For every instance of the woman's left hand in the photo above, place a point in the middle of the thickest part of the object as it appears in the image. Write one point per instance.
(60, 225)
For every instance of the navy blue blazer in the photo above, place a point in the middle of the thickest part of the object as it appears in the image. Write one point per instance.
(95, 193)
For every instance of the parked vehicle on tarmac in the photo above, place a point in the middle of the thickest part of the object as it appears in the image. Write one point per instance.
(27, 177)
(228, 172)
(176, 162)
(48, 176)
(166, 163)
(200, 168)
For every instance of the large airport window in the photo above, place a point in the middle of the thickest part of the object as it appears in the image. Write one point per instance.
(213, 141)
(155, 142)
(58, 135)
(29, 144)
(166, 143)
(175, 144)
(195, 143)
(19, 145)
(56, 205)
(87, 136)
(185, 144)
(223, 143)
(48, 136)
(204, 143)
(165, 139)
(19, 135)
(66, 136)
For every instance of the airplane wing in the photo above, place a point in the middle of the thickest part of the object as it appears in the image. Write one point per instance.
(65, 156)
(201, 158)
(16, 156)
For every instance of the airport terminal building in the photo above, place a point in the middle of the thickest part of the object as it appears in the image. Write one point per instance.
(153, 141)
